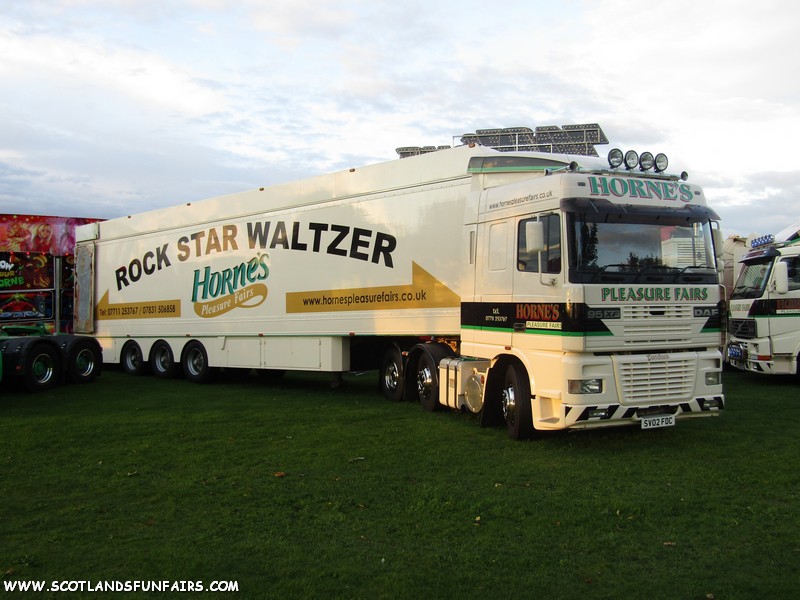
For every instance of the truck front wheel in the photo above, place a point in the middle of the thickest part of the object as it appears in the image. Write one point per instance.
(515, 399)
(42, 367)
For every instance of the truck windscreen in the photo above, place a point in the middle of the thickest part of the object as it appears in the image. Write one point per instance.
(630, 244)
(752, 279)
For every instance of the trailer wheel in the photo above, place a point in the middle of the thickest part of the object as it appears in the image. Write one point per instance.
(162, 363)
(83, 361)
(516, 403)
(42, 367)
(132, 359)
(195, 363)
(390, 374)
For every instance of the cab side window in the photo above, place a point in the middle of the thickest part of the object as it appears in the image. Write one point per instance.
(550, 256)
(794, 272)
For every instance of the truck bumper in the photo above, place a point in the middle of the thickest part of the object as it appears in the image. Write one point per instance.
(590, 417)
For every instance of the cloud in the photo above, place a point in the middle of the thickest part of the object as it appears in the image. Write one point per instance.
(760, 203)
(138, 104)
(93, 67)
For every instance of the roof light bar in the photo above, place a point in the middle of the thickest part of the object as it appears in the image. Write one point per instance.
(763, 240)
(631, 159)
(615, 158)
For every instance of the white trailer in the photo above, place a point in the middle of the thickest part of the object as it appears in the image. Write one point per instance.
(542, 291)
(764, 325)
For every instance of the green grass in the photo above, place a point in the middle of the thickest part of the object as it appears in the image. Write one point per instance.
(295, 491)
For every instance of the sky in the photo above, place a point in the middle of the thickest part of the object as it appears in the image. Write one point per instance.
(114, 107)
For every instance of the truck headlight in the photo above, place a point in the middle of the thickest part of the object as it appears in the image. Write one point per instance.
(585, 386)
(713, 377)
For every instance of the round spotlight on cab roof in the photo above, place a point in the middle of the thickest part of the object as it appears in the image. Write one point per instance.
(631, 159)
(646, 161)
(615, 158)
(661, 162)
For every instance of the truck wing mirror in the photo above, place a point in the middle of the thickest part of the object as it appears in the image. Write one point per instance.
(718, 242)
(534, 236)
(781, 277)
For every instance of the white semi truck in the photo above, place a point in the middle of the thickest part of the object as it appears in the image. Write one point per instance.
(540, 290)
(764, 325)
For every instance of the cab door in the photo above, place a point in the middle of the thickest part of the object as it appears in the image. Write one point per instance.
(538, 285)
(784, 323)
(495, 279)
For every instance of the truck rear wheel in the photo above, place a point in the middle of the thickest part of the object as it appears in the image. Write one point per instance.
(427, 382)
(422, 373)
(83, 361)
(515, 400)
(195, 363)
(42, 367)
(132, 359)
(390, 374)
(162, 363)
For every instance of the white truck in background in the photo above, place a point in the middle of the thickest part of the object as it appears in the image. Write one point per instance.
(764, 322)
(734, 249)
(543, 291)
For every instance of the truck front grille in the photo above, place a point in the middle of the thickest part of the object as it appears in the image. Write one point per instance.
(656, 324)
(651, 378)
(742, 328)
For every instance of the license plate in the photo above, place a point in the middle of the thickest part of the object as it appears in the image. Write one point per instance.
(735, 352)
(658, 421)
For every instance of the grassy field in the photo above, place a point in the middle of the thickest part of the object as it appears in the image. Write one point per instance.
(295, 491)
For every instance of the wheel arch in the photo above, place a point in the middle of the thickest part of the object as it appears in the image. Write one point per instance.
(436, 351)
(174, 347)
(30, 365)
(19, 348)
(492, 413)
(70, 345)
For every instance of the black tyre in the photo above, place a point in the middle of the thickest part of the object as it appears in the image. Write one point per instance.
(162, 363)
(391, 374)
(42, 367)
(132, 359)
(515, 399)
(194, 361)
(84, 361)
(427, 380)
